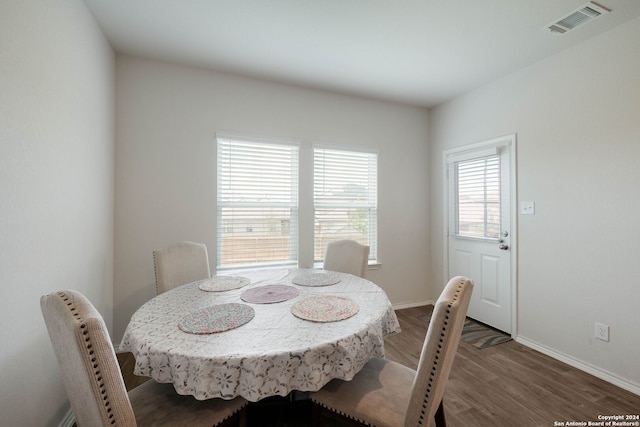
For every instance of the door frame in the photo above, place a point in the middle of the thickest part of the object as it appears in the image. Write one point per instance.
(507, 142)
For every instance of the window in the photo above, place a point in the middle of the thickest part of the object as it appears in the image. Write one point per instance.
(258, 220)
(257, 202)
(478, 197)
(344, 198)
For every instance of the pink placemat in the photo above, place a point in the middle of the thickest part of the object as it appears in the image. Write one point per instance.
(269, 294)
(223, 283)
(325, 308)
(316, 279)
(217, 318)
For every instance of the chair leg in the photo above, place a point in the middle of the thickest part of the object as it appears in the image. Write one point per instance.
(242, 417)
(439, 417)
(316, 415)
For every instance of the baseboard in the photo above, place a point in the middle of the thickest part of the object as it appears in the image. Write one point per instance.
(578, 364)
(412, 304)
(68, 420)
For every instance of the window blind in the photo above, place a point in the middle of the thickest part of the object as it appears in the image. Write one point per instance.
(478, 197)
(257, 203)
(345, 198)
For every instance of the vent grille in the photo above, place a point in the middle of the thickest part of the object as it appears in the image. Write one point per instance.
(581, 16)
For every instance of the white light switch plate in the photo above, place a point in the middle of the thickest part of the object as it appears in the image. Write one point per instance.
(527, 208)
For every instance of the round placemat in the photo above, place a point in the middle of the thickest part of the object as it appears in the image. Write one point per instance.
(217, 318)
(223, 283)
(269, 294)
(325, 308)
(316, 279)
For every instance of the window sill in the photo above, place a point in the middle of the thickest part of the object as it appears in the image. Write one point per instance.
(373, 265)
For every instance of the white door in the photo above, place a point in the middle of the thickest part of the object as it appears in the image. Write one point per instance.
(479, 233)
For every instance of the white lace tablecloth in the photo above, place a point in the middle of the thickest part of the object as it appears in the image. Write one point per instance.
(273, 354)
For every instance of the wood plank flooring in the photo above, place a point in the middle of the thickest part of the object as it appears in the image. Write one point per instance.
(504, 385)
(510, 384)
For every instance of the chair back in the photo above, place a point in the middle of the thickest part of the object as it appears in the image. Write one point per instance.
(180, 263)
(346, 256)
(438, 351)
(87, 361)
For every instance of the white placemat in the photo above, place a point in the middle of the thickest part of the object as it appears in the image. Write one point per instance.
(217, 318)
(316, 279)
(325, 308)
(223, 283)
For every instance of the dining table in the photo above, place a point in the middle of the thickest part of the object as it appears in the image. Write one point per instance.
(260, 333)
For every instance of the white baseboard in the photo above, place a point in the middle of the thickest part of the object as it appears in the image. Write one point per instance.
(68, 420)
(578, 364)
(412, 304)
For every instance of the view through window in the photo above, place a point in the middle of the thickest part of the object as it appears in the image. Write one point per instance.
(478, 197)
(345, 198)
(257, 203)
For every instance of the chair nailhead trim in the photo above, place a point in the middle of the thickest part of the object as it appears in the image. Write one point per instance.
(155, 270)
(343, 414)
(434, 368)
(89, 347)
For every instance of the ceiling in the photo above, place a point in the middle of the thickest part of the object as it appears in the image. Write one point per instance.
(418, 52)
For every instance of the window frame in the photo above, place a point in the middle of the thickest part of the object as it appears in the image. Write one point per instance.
(304, 256)
(293, 204)
(488, 198)
(371, 203)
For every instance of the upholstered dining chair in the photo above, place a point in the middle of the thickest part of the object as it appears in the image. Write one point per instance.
(180, 263)
(346, 256)
(387, 394)
(95, 387)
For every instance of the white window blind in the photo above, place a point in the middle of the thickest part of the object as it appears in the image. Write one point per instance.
(478, 197)
(345, 198)
(257, 203)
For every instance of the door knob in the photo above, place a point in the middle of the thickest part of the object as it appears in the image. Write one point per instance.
(503, 247)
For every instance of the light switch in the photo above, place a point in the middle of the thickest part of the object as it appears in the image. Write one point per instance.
(527, 208)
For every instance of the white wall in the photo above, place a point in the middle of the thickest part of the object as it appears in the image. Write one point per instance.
(577, 120)
(56, 190)
(166, 120)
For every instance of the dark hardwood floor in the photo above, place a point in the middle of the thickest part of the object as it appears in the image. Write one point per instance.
(510, 384)
(504, 385)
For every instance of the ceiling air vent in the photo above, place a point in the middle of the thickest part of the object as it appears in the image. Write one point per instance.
(586, 13)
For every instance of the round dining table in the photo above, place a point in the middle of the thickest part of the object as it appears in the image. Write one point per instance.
(261, 333)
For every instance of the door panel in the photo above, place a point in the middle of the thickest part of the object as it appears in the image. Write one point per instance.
(490, 289)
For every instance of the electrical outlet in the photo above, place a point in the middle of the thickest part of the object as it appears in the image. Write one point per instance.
(602, 331)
